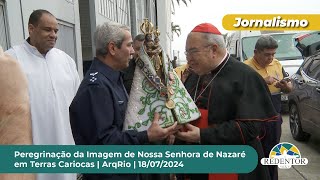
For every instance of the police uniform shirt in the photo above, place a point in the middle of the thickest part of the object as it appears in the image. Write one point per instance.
(98, 110)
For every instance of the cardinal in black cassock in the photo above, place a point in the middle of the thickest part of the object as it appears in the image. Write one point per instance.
(233, 99)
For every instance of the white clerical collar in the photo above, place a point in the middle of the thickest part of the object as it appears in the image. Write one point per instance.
(223, 59)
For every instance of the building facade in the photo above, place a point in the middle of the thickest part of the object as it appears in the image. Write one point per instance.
(78, 19)
(127, 12)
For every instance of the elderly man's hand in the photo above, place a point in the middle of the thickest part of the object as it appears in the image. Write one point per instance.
(156, 133)
(192, 134)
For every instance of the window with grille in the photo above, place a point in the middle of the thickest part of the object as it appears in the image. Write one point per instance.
(115, 10)
(141, 11)
(152, 11)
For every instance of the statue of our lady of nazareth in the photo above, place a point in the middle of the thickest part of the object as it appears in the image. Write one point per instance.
(157, 88)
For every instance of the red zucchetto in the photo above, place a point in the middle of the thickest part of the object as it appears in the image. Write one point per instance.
(206, 28)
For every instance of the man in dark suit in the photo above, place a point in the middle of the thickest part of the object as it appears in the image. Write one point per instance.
(128, 73)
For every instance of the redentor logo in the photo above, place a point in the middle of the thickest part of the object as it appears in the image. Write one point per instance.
(284, 155)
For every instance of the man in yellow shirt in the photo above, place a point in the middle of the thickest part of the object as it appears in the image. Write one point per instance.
(182, 72)
(273, 73)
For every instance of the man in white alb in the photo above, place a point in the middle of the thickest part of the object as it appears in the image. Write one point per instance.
(53, 81)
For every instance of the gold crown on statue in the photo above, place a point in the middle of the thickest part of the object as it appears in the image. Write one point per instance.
(156, 32)
(146, 27)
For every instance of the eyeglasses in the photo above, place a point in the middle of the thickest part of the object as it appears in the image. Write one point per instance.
(192, 51)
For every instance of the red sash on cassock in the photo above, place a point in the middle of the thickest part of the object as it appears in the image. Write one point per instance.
(203, 123)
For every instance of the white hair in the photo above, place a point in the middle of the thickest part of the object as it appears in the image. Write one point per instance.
(106, 33)
(215, 39)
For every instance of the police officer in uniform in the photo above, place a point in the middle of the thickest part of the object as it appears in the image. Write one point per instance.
(98, 110)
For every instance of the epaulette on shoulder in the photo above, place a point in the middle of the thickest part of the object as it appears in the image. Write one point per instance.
(93, 78)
